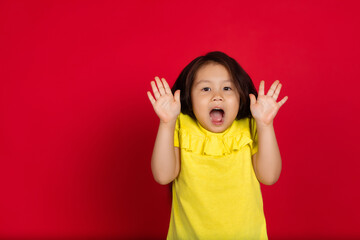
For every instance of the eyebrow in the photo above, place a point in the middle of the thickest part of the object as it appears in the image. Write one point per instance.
(208, 81)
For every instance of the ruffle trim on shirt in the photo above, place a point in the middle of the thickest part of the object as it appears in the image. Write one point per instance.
(213, 145)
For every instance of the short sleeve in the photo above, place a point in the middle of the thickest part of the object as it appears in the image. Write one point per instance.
(176, 133)
(254, 136)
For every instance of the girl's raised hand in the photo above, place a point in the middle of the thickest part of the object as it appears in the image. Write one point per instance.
(166, 106)
(265, 107)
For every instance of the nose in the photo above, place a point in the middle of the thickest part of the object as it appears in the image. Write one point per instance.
(217, 97)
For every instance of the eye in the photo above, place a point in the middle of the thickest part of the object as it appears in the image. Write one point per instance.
(205, 89)
(227, 88)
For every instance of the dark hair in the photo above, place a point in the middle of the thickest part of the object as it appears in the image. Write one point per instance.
(241, 79)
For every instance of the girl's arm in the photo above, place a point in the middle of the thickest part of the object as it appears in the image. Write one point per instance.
(267, 161)
(165, 160)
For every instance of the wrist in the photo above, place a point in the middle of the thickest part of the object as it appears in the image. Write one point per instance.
(168, 124)
(263, 126)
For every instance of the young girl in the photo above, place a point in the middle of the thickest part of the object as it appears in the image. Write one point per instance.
(215, 143)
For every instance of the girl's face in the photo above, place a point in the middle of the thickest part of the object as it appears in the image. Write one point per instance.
(215, 99)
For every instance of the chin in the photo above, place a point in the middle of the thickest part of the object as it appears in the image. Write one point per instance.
(217, 128)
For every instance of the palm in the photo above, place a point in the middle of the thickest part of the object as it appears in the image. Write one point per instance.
(165, 105)
(166, 108)
(265, 107)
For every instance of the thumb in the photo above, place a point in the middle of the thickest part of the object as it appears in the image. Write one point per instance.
(177, 95)
(252, 99)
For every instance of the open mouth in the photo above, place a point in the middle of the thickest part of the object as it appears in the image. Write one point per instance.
(217, 116)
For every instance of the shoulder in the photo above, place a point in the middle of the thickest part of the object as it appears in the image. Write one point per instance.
(184, 118)
(186, 123)
(244, 125)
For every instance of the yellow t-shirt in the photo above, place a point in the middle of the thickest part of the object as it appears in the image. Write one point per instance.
(217, 194)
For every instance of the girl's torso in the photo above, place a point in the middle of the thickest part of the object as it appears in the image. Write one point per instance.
(217, 194)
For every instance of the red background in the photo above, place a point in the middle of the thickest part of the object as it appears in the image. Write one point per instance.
(77, 129)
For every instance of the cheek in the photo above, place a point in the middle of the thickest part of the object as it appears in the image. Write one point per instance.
(199, 103)
(234, 99)
(235, 102)
(194, 102)
(237, 99)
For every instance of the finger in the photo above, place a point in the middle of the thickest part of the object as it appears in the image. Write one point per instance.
(261, 87)
(277, 91)
(252, 99)
(151, 98)
(283, 101)
(272, 88)
(166, 85)
(155, 90)
(160, 86)
(177, 95)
